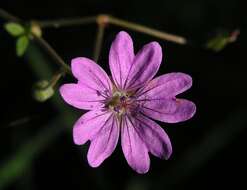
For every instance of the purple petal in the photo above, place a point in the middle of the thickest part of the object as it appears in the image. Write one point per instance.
(121, 57)
(81, 96)
(169, 110)
(91, 74)
(156, 139)
(104, 143)
(145, 65)
(134, 149)
(88, 125)
(164, 86)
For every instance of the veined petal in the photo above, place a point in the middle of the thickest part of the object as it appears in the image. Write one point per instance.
(145, 65)
(155, 138)
(81, 96)
(88, 125)
(121, 58)
(134, 149)
(104, 143)
(91, 74)
(169, 110)
(165, 86)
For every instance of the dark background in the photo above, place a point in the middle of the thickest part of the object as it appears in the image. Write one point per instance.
(36, 146)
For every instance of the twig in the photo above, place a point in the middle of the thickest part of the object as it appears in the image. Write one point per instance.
(101, 20)
(147, 30)
(98, 41)
(66, 22)
(56, 78)
(117, 22)
(52, 53)
(43, 43)
(7, 16)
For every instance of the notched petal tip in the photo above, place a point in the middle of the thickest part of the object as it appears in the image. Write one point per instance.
(77, 62)
(145, 65)
(94, 163)
(154, 49)
(104, 143)
(63, 91)
(155, 44)
(185, 79)
(121, 56)
(192, 110)
(123, 34)
(76, 137)
(168, 154)
(142, 171)
(186, 111)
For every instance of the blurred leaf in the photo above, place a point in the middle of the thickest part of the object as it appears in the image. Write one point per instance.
(14, 29)
(21, 45)
(16, 164)
(217, 43)
(221, 40)
(10, 170)
(43, 91)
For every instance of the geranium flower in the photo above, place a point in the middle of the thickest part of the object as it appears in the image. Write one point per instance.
(126, 103)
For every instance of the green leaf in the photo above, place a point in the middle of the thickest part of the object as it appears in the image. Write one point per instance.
(21, 45)
(14, 29)
(221, 40)
(218, 43)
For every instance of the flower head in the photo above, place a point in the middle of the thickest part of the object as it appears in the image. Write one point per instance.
(126, 103)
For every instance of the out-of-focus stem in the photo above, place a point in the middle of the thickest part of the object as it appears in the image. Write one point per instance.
(98, 41)
(56, 78)
(67, 22)
(7, 16)
(147, 30)
(117, 22)
(45, 45)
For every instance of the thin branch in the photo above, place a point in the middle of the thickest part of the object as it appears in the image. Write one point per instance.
(107, 19)
(101, 20)
(9, 17)
(56, 78)
(44, 44)
(147, 30)
(98, 41)
(66, 22)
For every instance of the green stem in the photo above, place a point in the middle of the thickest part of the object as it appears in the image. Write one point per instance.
(54, 80)
(146, 30)
(45, 45)
(98, 42)
(107, 19)
(9, 17)
(66, 22)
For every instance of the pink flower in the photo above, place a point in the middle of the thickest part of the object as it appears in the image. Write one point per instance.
(126, 103)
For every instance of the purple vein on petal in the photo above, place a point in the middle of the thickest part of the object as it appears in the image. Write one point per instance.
(158, 133)
(98, 81)
(88, 125)
(102, 93)
(104, 143)
(170, 84)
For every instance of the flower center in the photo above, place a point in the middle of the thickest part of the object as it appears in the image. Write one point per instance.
(120, 103)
